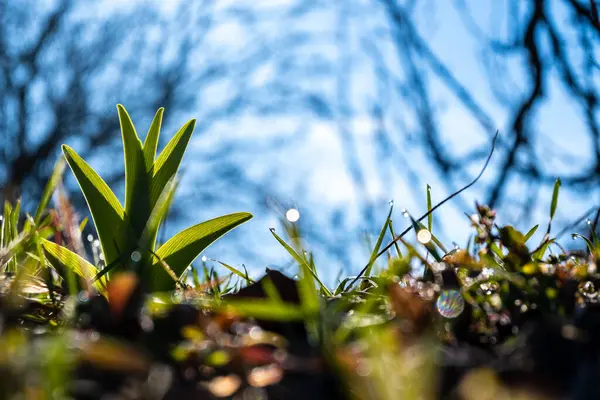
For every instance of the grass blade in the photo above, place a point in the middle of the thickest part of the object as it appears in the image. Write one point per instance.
(265, 309)
(137, 203)
(107, 212)
(54, 180)
(393, 237)
(531, 232)
(151, 142)
(553, 204)
(300, 260)
(148, 237)
(237, 272)
(169, 159)
(179, 251)
(375, 251)
(61, 257)
(429, 213)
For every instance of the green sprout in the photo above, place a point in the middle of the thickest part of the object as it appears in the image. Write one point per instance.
(127, 234)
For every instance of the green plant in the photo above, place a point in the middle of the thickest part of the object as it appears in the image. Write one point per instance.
(127, 234)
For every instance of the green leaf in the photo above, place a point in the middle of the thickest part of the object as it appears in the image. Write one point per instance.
(265, 309)
(148, 237)
(430, 216)
(554, 198)
(7, 224)
(61, 257)
(137, 202)
(151, 142)
(391, 226)
(54, 180)
(15, 219)
(168, 161)
(179, 251)
(83, 224)
(304, 267)
(538, 254)
(107, 212)
(375, 251)
(531, 232)
(237, 272)
(309, 297)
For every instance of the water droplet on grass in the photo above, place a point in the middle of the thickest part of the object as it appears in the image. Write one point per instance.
(588, 290)
(204, 259)
(405, 213)
(90, 238)
(136, 256)
(292, 215)
(424, 236)
(450, 304)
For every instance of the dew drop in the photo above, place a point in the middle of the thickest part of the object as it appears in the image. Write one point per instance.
(405, 213)
(90, 238)
(363, 368)
(204, 259)
(391, 202)
(588, 290)
(438, 266)
(272, 229)
(424, 236)
(292, 215)
(136, 256)
(588, 221)
(450, 304)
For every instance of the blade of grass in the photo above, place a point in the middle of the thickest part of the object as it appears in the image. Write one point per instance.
(430, 216)
(384, 229)
(236, 272)
(302, 262)
(137, 185)
(54, 180)
(168, 161)
(151, 141)
(264, 309)
(531, 232)
(553, 204)
(107, 212)
(183, 248)
(398, 251)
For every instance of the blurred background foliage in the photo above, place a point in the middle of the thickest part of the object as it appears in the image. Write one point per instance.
(330, 107)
